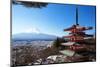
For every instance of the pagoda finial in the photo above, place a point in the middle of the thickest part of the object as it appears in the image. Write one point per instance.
(77, 15)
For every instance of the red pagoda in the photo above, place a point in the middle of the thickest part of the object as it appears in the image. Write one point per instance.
(76, 40)
(76, 36)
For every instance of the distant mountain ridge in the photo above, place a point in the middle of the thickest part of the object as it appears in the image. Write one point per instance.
(33, 36)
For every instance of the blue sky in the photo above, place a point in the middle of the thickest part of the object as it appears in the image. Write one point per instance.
(51, 19)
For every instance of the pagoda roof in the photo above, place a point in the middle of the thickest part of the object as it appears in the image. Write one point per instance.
(69, 36)
(68, 43)
(88, 37)
(68, 52)
(70, 28)
(81, 36)
(78, 28)
(78, 35)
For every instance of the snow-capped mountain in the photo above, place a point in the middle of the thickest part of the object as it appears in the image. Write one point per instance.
(33, 36)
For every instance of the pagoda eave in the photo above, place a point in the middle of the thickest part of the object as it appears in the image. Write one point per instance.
(68, 43)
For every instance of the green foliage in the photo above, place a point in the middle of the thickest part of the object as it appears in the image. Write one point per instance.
(57, 42)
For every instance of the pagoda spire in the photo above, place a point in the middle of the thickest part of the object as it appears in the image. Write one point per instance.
(77, 15)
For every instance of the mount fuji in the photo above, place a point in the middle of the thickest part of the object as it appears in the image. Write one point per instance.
(33, 36)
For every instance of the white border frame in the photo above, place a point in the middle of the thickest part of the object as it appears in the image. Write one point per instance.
(5, 33)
